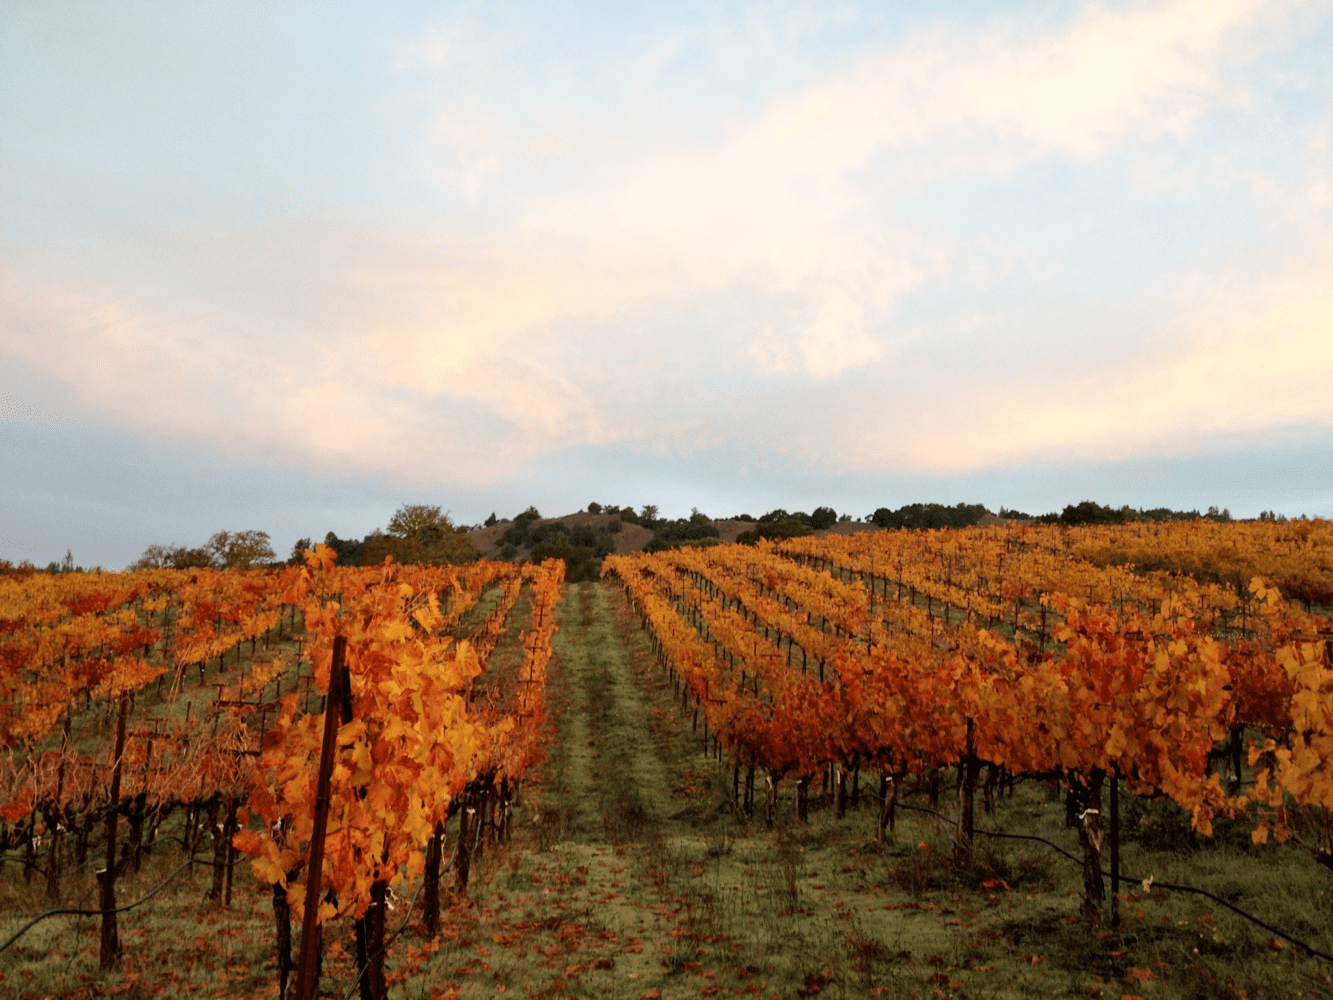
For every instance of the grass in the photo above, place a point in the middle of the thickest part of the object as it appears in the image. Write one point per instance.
(629, 873)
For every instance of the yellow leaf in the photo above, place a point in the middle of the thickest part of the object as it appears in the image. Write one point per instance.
(269, 870)
(396, 631)
(416, 864)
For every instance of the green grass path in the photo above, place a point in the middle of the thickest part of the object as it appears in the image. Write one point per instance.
(615, 772)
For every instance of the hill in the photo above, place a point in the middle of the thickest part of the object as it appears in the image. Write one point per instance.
(624, 537)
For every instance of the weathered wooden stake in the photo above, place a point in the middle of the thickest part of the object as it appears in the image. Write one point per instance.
(307, 971)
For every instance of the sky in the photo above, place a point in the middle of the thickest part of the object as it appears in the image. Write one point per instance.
(286, 267)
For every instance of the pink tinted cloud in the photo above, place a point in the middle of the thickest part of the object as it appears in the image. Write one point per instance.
(1244, 367)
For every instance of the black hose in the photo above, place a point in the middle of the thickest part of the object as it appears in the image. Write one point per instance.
(97, 913)
(1159, 885)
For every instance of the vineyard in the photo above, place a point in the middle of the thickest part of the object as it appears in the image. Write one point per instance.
(1030, 654)
(390, 684)
(335, 740)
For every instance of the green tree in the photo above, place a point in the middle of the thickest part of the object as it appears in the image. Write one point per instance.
(672, 533)
(919, 516)
(1091, 512)
(419, 533)
(823, 518)
(580, 563)
(790, 528)
(421, 523)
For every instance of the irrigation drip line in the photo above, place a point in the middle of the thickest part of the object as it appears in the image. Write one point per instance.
(97, 913)
(996, 833)
(1154, 883)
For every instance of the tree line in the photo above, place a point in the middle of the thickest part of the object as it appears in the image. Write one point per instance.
(417, 534)
(423, 534)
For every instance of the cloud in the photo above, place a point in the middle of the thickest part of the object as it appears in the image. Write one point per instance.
(1141, 71)
(358, 398)
(1243, 367)
(809, 195)
(769, 353)
(837, 339)
(595, 272)
(108, 355)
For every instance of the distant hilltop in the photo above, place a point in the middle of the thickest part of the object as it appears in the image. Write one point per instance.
(584, 538)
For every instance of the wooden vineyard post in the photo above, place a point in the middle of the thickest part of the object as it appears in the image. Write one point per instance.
(110, 943)
(307, 967)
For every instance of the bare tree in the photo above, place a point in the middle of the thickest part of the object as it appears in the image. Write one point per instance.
(173, 556)
(240, 549)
